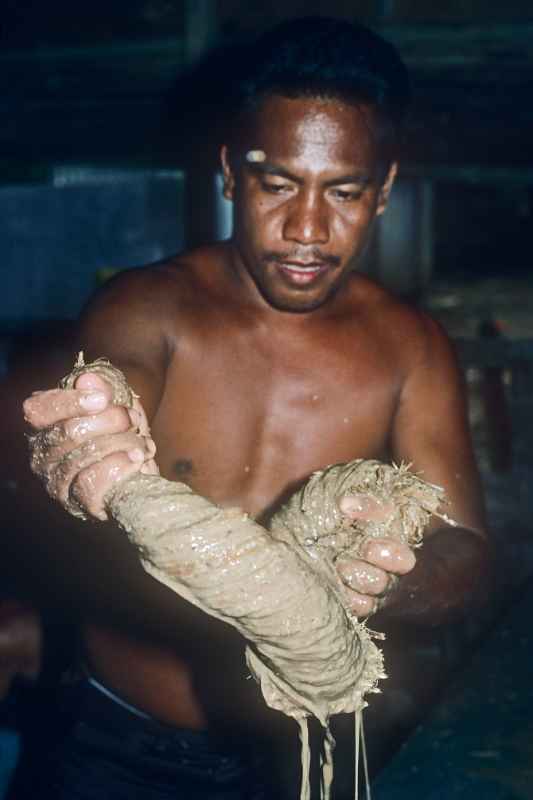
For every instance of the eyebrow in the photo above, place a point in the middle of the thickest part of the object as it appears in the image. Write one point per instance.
(264, 168)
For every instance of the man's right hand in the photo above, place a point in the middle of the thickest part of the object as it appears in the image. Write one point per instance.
(82, 444)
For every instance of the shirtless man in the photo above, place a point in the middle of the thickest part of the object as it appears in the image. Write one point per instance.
(261, 359)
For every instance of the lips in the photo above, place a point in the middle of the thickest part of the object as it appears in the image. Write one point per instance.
(302, 272)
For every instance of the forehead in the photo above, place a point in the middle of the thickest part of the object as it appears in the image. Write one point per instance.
(314, 133)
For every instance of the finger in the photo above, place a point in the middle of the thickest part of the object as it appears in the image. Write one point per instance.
(44, 409)
(54, 442)
(361, 605)
(362, 577)
(90, 487)
(59, 476)
(365, 507)
(115, 419)
(53, 447)
(389, 555)
(92, 382)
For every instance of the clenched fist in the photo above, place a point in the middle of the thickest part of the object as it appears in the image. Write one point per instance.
(83, 444)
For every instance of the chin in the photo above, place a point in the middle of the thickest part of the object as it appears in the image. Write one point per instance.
(295, 304)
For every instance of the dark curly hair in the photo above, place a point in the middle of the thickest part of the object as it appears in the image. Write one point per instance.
(329, 58)
(302, 57)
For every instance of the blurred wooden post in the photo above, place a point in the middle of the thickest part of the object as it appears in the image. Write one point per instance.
(200, 207)
(200, 27)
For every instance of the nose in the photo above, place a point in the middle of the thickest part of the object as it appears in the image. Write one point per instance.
(307, 219)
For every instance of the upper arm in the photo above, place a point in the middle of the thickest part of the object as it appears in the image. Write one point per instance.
(126, 323)
(431, 429)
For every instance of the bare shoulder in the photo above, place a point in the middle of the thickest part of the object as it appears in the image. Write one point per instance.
(148, 302)
(411, 336)
(139, 290)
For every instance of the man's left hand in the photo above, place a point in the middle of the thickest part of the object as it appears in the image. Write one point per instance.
(372, 576)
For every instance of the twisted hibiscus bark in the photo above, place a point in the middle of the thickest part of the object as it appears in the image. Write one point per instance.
(280, 587)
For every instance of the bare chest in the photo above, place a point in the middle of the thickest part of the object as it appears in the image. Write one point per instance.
(245, 424)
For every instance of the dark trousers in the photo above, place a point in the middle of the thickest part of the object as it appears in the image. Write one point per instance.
(107, 752)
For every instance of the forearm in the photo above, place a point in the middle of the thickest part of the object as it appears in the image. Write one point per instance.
(452, 576)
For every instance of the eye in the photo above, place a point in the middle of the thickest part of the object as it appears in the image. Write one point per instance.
(275, 188)
(345, 195)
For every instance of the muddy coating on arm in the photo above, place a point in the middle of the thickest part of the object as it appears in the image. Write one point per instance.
(278, 587)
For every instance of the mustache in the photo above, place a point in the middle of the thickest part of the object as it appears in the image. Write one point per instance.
(312, 255)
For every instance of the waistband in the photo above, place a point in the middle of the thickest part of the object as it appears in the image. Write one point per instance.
(96, 708)
(115, 698)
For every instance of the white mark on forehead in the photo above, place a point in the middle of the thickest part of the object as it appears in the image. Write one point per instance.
(255, 156)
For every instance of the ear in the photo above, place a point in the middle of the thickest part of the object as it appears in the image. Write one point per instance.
(384, 192)
(227, 172)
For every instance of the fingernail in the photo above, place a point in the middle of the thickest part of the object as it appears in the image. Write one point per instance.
(95, 401)
(373, 548)
(136, 455)
(350, 504)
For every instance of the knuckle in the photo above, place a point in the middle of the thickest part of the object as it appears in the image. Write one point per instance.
(376, 582)
(76, 429)
(119, 418)
(54, 436)
(84, 482)
(78, 493)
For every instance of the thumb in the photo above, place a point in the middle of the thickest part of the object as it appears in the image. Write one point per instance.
(91, 381)
(365, 507)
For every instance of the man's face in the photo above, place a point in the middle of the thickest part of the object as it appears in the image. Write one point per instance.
(306, 186)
